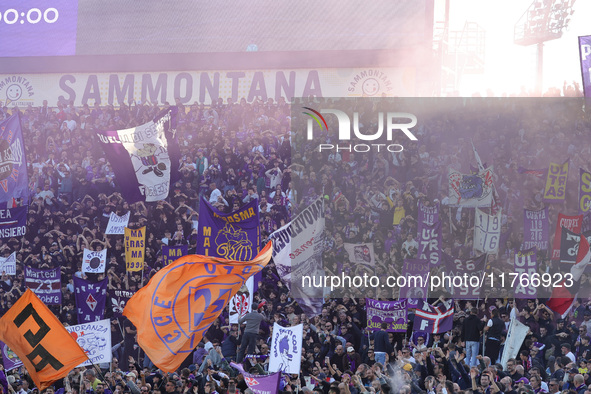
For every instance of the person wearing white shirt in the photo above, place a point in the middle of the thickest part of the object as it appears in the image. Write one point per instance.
(215, 193)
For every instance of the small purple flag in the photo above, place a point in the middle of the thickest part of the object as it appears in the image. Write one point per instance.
(536, 229)
(260, 384)
(394, 313)
(118, 299)
(13, 222)
(9, 358)
(90, 299)
(585, 52)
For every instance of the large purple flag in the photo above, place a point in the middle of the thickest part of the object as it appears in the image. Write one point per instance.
(536, 229)
(171, 253)
(90, 299)
(260, 384)
(145, 158)
(46, 284)
(525, 265)
(430, 242)
(118, 299)
(9, 358)
(416, 272)
(233, 236)
(394, 313)
(14, 182)
(585, 52)
(13, 222)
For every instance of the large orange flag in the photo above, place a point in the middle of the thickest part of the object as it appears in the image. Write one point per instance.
(39, 339)
(174, 310)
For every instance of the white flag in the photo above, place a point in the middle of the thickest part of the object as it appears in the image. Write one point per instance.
(515, 337)
(95, 339)
(487, 232)
(117, 224)
(94, 262)
(8, 264)
(286, 349)
(241, 303)
(361, 254)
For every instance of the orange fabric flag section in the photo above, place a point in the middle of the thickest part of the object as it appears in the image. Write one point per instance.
(178, 305)
(38, 338)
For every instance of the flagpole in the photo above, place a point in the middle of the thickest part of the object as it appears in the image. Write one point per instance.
(98, 370)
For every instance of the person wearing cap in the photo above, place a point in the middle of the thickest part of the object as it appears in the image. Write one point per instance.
(251, 331)
(351, 360)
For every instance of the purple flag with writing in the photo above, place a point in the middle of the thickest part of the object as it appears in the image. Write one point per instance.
(9, 358)
(233, 236)
(46, 284)
(145, 158)
(416, 272)
(536, 229)
(430, 242)
(171, 253)
(118, 299)
(585, 52)
(90, 299)
(428, 214)
(14, 183)
(13, 222)
(434, 319)
(525, 265)
(260, 384)
(393, 313)
(473, 267)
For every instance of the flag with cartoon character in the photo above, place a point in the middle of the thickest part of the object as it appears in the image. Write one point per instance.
(145, 158)
(95, 339)
(473, 190)
(233, 236)
(286, 349)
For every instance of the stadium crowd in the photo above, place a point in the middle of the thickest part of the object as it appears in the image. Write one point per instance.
(235, 152)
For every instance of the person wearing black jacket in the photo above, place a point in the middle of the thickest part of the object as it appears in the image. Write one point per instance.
(493, 329)
(381, 344)
(471, 329)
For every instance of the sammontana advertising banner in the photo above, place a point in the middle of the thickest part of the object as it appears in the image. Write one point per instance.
(208, 86)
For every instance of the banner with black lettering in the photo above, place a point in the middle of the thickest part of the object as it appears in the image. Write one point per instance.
(95, 339)
(233, 236)
(145, 158)
(39, 340)
(555, 190)
(525, 265)
(94, 262)
(571, 223)
(487, 232)
(90, 299)
(171, 253)
(117, 224)
(46, 284)
(569, 245)
(8, 264)
(430, 242)
(13, 222)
